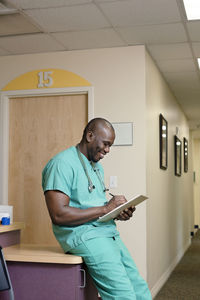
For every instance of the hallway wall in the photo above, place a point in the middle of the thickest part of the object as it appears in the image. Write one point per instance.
(196, 186)
(170, 205)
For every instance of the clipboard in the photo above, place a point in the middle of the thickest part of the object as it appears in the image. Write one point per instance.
(116, 211)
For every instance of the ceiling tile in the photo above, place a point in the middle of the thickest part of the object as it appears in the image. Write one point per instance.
(34, 43)
(190, 104)
(128, 13)
(4, 52)
(27, 4)
(154, 34)
(79, 17)
(189, 100)
(102, 1)
(192, 110)
(185, 86)
(181, 77)
(196, 48)
(170, 51)
(196, 133)
(89, 39)
(194, 30)
(6, 8)
(188, 95)
(176, 65)
(15, 24)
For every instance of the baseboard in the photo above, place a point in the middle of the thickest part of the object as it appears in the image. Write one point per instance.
(156, 288)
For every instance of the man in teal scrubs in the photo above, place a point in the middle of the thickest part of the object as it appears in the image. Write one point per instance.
(73, 183)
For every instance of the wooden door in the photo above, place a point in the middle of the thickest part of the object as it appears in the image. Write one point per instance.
(39, 127)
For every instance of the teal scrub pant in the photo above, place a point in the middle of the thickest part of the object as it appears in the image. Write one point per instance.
(112, 269)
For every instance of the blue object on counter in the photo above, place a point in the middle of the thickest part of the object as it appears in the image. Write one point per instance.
(5, 221)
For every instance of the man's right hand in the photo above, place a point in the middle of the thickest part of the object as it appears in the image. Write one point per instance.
(114, 202)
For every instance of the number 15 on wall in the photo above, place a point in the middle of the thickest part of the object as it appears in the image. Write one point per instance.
(45, 79)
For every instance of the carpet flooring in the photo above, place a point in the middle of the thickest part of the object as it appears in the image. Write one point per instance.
(184, 282)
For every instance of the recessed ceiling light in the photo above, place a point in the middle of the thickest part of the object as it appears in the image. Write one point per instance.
(192, 8)
(198, 59)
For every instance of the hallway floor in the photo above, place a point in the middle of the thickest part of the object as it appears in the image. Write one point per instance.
(184, 282)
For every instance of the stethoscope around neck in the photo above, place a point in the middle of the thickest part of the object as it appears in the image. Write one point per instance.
(91, 186)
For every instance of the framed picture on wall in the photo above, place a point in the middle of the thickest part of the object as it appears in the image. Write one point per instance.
(177, 150)
(185, 154)
(163, 132)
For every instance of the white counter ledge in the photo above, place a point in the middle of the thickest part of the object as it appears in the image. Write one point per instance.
(12, 227)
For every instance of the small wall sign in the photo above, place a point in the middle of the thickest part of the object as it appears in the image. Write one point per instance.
(123, 134)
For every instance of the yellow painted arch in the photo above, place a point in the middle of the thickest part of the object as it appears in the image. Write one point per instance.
(46, 78)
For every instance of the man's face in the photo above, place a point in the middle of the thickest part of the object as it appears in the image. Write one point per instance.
(101, 141)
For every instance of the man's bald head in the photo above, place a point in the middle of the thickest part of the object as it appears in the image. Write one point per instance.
(95, 124)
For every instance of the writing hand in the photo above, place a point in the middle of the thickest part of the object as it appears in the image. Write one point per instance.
(114, 202)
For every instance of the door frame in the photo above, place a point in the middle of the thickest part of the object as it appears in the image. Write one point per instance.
(4, 123)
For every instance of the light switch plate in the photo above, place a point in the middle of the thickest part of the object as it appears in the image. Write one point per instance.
(113, 181)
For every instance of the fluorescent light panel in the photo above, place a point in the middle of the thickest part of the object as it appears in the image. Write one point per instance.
(192, 8)
(198, 59)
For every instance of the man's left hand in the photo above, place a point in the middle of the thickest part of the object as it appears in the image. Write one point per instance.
(126, 214)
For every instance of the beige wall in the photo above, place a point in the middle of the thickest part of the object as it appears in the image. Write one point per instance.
(196, 155)
(170, 205)
(118, 78)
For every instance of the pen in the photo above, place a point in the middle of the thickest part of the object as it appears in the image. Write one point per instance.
(111, 195)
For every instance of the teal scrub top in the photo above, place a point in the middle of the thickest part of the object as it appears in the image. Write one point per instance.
(65, 173)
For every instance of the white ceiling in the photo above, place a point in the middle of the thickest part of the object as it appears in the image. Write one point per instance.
(174, 43)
